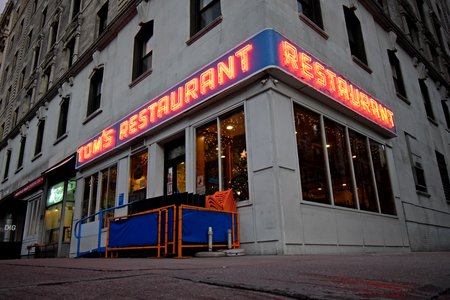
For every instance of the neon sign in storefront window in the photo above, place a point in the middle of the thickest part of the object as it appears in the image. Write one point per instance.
(265, 51)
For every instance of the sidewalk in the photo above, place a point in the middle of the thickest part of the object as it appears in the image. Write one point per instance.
(368, 276)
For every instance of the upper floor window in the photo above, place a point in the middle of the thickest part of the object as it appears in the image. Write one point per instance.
(446, 112)
(37, 52)
(23, 141)
(8, 161)
(39, 137)
(311, 10)
(15, 117)
(203, 13)
(63, 115)
(53, 33)
(143, 50)
(2, 130)
(421, 9)
(355, 36)
(426, 99)
(76, 5)
(70, 52)
(44, 17)
(444, 174)
(416, 163)
(95, 92)
(29, 39)
(397, 74)
(102, 18)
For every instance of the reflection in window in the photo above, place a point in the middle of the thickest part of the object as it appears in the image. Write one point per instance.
(311, 156)
(207, 168)
(339, 165)
(90, 197)
(143, 50)
(311, 9)
(203, 12)
(108, 192)
(382, 178)
(355, 37)
(233, 156)
(363, 173)
(138, 176)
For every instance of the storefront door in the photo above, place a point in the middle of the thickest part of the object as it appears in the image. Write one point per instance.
(174, 167)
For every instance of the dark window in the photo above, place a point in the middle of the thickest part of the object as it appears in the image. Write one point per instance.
(44, 17)
(143, 50)
(22, 78)
(419, 173)
(8, 160)
(30, 36)
(63, 114)
(339, 163)
(437, 29)
(412, 28)
(36, 57)
(23, 141)
(71, 51)
(88, 205)
(102, 16)
(421, 9)
(363, 173)
(2, 130)
(203, 12)
(46, 78)
(35, 5)
(355, 36)
(76, 4)
(416, 163)
(95, 92)
(444, 174)
(396, 74)
(446, 113)
(311, 156)
(15, 116)
(382, 178)
(54, 33)
(311, 10)
(39, 137)
(426, 99)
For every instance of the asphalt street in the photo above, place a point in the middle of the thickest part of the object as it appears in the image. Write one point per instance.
(362, 276)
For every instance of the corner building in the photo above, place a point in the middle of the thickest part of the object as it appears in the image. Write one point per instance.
(328, 119)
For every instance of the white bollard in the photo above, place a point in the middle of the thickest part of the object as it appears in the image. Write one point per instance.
(229, 238)
(210, 238)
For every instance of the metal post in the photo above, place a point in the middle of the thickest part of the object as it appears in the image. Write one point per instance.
(229, 238)
(210, 238)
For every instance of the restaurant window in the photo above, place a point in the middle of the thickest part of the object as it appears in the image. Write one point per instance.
(355, 36)
(311, 10)
(33, 217)
(39, 137)
(416, 163)
(396, 74)
(138, 176)
(310, 149)
(221, 156)
(203, 13)
(8, 161)
(143, 50)
(443, 171)
(102, 18)
(23, 141)
(95, 92)
(63, 115)
(357, 167)
(108, 192)
(60, 196)
(426, 99)
(339, 164)
(88, 206)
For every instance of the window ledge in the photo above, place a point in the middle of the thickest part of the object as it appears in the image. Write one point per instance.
(433, 121)
(140, 78)
(313, 25)
(363, 65)
(36, 156)
(424, 194)
(403, 98)
(18, 170)
(60, 139)
(204, 30)
(92, 116)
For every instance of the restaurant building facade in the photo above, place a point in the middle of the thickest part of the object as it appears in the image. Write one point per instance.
(328, 119)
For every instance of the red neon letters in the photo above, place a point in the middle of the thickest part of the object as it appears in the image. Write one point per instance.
(105, 142)
(311, 71)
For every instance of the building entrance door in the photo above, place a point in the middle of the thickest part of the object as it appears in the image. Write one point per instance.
(174, 167)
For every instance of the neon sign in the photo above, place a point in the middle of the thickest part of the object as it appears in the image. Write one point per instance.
(266, 50)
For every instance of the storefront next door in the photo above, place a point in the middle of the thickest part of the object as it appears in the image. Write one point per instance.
(174, 167)
(12, 216)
